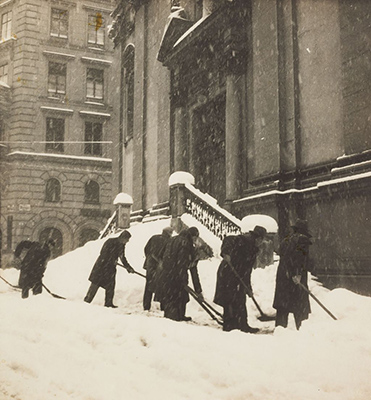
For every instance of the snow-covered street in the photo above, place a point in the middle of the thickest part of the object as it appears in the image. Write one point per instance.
(67, 349)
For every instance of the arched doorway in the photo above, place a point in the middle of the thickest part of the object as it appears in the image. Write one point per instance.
(53, 233)
(209, 148)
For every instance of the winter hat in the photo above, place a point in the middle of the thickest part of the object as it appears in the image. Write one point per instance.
(125, 235)
(301, 226)
(259, 231)
(193, 231)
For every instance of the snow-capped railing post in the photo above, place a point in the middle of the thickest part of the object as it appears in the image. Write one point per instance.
(123, 201)
(177, 183)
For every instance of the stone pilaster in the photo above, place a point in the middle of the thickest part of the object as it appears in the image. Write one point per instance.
(178, 98)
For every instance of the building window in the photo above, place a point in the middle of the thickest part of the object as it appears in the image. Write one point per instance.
(57, 79)
(4, 73)
(91, 192)
(59, 23)
(54, 135)
(94, 84)
(6, 26)
(128, 65)
(53, 190)
(93, 138)
(96, 28)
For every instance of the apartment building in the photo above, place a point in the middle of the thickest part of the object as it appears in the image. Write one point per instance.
(59, 91)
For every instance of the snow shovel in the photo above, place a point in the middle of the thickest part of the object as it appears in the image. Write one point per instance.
(53, 294)
(13, 286)
(135, 272)
(202, 304)
(208, 305)
(263, 317)
(194, 295)
(315, 298)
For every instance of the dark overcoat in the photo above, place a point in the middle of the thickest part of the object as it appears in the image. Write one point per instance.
(33, 264)
(154, 251)
(288, 296)
(243, 252)
(178, 256)
(104, 269)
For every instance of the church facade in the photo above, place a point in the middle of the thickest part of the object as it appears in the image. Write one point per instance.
(265, 103)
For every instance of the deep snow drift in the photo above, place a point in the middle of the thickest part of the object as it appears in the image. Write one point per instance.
(67, 349)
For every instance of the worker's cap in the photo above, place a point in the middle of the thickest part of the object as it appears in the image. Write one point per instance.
(193, 231)
(125, 235)
(259, 231)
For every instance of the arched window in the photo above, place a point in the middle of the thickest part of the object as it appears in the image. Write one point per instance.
(53, 233)
(128, 90)
(53, 190)
(91, 192)
(86, 235)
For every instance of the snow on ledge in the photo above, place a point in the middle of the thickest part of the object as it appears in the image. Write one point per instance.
(51, 155)
(4, 85)
(57, 54)
(96, 60)
(123, 198)
(181, 177)
(95, 113)
(191, 29)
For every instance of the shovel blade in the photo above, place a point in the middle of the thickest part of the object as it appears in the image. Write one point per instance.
(265, 318)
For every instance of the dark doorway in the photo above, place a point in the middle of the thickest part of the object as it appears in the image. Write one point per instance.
(209, 148)
(53, 233)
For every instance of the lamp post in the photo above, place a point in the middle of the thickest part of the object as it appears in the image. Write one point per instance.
(123, 201)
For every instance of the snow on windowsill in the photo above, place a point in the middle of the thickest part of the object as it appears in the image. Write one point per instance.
(96, 60)
(56, 54)
(94, 113)
(60, 156)
(8, 40)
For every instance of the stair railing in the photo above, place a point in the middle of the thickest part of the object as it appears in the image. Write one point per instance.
(185, 198)
(110, 226)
